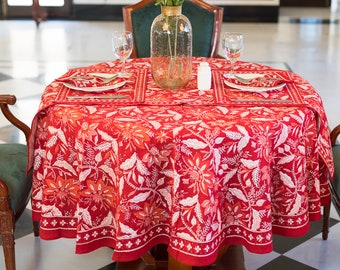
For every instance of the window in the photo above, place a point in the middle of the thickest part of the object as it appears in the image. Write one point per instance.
(49, 3)
(23, 8)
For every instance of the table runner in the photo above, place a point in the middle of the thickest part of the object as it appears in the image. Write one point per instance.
(195, 174)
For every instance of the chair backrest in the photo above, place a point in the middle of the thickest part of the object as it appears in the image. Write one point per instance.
(206, 21)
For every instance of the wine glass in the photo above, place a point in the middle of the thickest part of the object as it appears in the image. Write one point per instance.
(233, 47)
(122, 44)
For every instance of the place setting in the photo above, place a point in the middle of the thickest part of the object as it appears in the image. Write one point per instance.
(91, 83)
(233, 46)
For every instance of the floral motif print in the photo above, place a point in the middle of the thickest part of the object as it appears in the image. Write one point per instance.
(194, 175)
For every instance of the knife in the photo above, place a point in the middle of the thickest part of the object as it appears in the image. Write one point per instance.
(101, 97)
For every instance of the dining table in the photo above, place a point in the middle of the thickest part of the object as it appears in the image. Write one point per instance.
(131, 166)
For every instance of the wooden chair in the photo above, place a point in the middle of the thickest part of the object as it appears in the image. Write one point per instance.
(206, 21)
(37, 12)
(335, 184)
(15, 185)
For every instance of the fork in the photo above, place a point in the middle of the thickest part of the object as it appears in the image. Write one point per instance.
(106, 78)
(259, 79)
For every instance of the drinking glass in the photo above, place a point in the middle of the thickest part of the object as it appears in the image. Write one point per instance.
(232, 44)
(122, 44)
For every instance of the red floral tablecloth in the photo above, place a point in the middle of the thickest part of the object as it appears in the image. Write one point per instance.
(192, 169)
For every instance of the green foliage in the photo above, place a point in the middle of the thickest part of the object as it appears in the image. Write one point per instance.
(169, 2)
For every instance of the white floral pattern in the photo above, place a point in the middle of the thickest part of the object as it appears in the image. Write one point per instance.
(190, 169)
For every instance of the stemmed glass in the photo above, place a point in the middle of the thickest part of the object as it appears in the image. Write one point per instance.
(122, 44)
(232, 44)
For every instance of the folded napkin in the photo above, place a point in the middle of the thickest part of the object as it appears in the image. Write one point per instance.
(82, 79)
(259, 81)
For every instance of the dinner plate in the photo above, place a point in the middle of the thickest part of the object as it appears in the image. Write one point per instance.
(95, 88)
(247, 88)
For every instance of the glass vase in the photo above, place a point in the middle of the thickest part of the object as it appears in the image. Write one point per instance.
(171, 48)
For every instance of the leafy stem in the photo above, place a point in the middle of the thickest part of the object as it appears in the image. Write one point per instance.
(169, 2)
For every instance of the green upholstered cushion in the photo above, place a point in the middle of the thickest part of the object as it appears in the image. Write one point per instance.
(141, 23)
(13, 163)
(202, 23)
(336, 157)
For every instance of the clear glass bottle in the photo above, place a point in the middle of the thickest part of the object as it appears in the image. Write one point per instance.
(171, 48)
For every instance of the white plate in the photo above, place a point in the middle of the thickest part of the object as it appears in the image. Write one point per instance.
(254, 88)
(95, 88)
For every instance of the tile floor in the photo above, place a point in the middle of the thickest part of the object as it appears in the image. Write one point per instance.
(307, 40)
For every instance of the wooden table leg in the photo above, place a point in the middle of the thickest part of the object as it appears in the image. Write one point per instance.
(221, 252)
(174, 264)
(325, 225)
(148, 262)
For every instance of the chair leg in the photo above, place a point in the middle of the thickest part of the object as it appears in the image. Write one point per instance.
(148, 259)
(325, 225)
(8, 248)
(7, 233)
(37, 13)
(36, 228)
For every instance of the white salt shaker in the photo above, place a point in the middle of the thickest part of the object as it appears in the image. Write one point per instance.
(204, 76)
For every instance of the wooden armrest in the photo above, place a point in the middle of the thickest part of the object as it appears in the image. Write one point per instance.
(334, 134)
(6, 100)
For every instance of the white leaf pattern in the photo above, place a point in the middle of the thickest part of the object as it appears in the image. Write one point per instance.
(127, 230)
(141, 197)
(219, 140)
(217, 158)
(238, 194)
(84, 216)
(98, 158)
(142, 168)
(233, 135)
(195, 144)
(243, 143)
(198, 212)
(229, 175)
(109, 170)
(190, 201)
(250, 164)
(283, 136)
(286, 159)
(84, 174)
(297, 205)
(174, 218)
(185, 236)
(167, 197)
(287, 180)
(256, 220)
(129, 163)
(105, 135)
(64, 164)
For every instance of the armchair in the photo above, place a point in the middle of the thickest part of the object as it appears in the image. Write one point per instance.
(15, 185)
(335, 184)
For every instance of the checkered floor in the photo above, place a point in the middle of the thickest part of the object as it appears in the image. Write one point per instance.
(25, 72)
